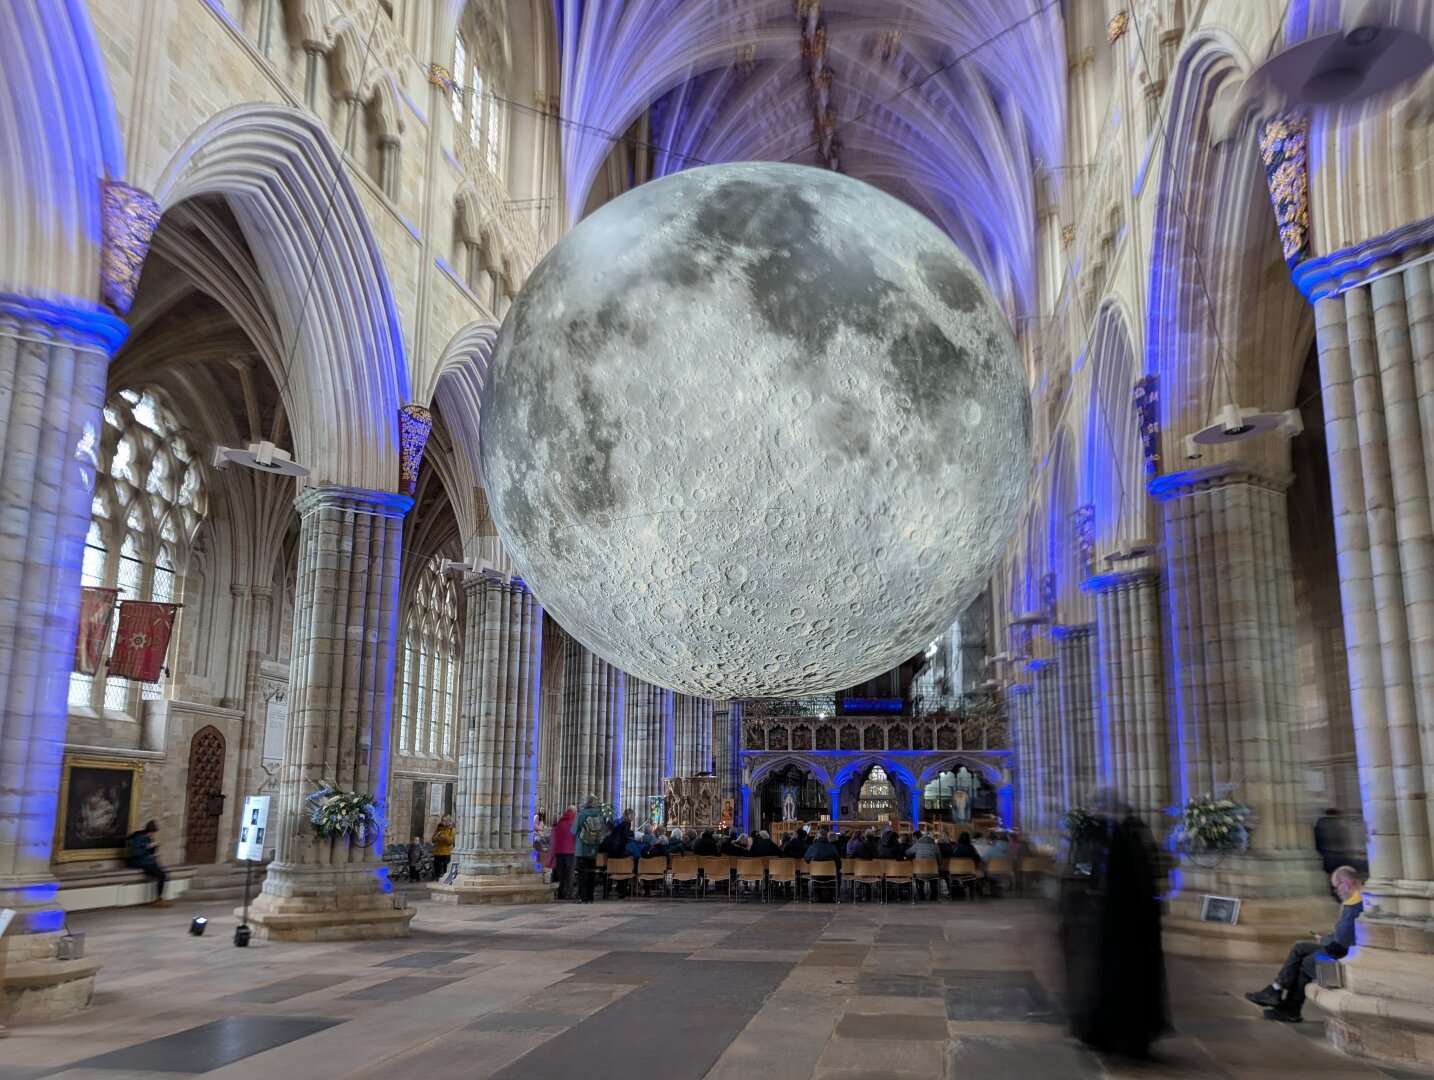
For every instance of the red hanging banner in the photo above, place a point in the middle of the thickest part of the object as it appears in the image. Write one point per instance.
(142, 641)
(97, 608)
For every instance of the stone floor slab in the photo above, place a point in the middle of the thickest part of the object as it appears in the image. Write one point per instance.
(208, 1046)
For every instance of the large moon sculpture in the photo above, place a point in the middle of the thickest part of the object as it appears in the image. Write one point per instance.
(755, 430)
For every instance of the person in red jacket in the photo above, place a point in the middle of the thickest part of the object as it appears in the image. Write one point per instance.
(563, 842)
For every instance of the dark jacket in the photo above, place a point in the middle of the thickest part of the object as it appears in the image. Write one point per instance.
(890, 848)
(1338, 943)
(823, 851)
(965, 851)
(735, 850)
(705, 845)
(141, 849)
(865, 849)
(617, 840)
(794, 848)
(763, 848)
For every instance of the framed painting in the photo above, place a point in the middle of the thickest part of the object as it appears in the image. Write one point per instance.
(1221, 909)
(99, 807)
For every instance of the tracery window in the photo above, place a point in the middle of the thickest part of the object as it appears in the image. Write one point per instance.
(149, 501)
(475, 102)
(427, 705)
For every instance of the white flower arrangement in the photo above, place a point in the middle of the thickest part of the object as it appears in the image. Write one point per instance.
(1211, 822)
(344, 813)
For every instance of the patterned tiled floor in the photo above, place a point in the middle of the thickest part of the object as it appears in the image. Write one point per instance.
(667, 990)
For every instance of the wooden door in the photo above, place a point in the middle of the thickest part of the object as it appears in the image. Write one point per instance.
(204, 796)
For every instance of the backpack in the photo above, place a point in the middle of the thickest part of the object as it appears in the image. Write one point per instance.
(592, 830)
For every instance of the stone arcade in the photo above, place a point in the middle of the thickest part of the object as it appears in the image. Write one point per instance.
(297, 226)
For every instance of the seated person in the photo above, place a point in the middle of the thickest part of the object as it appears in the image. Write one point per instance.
(924, 846)
(793, 847)
(737, 847)
(982, 843)
(763, 848)
(964, 849)
(1285, 997)
(865, 845)
(145, 856)
(822, 850)
(1000, 847)
(640, 846)
(852, 845)
(619, 837)
(890, 847)
(706, 844)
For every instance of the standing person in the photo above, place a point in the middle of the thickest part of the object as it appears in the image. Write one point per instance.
(542, 839)
(562, 845)
(1110, 930)
(145, 856)
(587, 831)
(415, 858)
(444, 834)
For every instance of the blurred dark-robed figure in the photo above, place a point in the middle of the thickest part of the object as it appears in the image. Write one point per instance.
(1110, 932)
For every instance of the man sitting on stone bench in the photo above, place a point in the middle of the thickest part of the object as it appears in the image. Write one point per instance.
(1285, 997)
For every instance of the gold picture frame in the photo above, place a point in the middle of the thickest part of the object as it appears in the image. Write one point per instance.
(99, 808)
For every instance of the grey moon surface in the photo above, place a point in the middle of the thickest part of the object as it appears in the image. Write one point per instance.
(755, 430)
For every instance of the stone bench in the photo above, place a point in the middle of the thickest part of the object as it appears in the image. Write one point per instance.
(120, 886)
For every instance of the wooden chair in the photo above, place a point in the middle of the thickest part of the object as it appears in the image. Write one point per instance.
(715, 869)
(751, 875)
(896, 873)
(962, 874)
(928, 872)
(1001, 872)
(686, 871)
(618, 870)
(652, 871)
(865, 872)
(1033, 868)
(781, 873)
(823, 873)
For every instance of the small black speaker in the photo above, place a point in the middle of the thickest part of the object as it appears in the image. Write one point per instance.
(241, 936)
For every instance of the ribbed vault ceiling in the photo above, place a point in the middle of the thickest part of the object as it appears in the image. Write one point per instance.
(945, 104)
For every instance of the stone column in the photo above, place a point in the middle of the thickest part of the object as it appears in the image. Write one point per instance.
(1049, 778)
(1021, 702)
(1075, 649)
(52, 385)
(1376, 353)
(691, 735)
(1232, 638)
(727, 741)
(340, 706)
(497, 760)
(647, 711)
(592, 714)
(1132, 755)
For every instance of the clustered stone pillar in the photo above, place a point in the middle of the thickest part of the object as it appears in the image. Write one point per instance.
(1021, 702)
(691, 735)
(1376, 355)
(591, 718)
(52, 370)
(340, 708)
(1232, 639)
(1133, 757)
(1049, 780)
(727, 741)
(1075, 651)
(647, 712)
(497, 758)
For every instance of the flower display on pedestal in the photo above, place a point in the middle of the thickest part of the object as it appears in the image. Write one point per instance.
(1211, 823)
(344, 813)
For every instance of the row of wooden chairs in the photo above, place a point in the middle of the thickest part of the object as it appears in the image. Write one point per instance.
(762, 876)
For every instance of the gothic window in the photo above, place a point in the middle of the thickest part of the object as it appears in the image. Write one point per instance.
(427, 684)
(460, 77)
(876, 800)
(148, 503)
(475, 100)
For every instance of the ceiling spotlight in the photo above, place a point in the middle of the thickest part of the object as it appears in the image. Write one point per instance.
(263, 456)
(1365, 58)
(1130, 549)
(1236, 423)
(197, 925)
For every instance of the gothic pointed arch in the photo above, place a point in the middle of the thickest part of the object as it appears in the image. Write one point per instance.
(345, 370)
